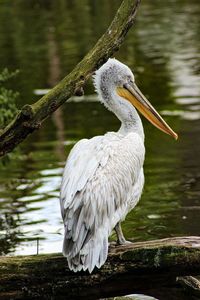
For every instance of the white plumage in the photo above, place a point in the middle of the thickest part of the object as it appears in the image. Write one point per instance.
(103, 176)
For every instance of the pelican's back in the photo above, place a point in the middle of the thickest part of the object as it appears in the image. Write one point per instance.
(101, 177)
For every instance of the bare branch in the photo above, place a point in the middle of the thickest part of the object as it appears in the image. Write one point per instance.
(31, 117)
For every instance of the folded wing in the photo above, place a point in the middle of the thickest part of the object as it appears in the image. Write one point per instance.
(98, 181)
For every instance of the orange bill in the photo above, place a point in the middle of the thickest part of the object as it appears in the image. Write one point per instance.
(139, 101)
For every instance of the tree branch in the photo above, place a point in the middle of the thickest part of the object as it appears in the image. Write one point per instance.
(145, 267)
(190, 284)
(31, 116)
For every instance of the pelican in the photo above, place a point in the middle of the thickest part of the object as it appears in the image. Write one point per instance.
(103, 177)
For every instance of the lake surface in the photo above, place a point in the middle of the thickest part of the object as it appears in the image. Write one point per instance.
(45, 40)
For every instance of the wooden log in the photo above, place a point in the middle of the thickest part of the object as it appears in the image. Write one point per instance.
(144, 267)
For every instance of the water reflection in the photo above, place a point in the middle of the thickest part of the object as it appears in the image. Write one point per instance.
(45, 39)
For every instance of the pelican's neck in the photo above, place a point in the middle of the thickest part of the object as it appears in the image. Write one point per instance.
(134, 126)
(124, 110)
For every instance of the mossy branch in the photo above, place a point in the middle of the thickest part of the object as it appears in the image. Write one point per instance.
(145, 267)
(31, 116)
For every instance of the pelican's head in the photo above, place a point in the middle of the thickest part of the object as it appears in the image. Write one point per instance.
(115, 83)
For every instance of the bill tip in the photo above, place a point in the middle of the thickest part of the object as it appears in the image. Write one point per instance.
(176, 136)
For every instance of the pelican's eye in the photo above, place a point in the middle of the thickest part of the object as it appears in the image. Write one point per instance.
(130, 79)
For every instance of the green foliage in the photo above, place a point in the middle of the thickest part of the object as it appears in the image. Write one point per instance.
(7, 98)
(7, 104)
(6, 75)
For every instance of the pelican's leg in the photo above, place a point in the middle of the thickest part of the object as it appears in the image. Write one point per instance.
(120, 237)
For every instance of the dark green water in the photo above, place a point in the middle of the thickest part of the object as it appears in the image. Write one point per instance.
(44, 40)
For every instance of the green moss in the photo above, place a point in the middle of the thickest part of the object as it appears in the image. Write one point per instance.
(161, 256)
(157, 258)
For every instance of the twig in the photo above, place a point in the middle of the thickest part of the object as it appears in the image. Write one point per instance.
(37, 245)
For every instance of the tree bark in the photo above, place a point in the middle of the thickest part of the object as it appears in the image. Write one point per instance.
(145, 267)
(191, 285)
(31, 116)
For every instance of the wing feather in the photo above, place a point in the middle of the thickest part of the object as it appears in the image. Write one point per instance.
(98, 180)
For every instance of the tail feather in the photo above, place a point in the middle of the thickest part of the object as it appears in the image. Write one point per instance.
(94, 253)
(103, 254)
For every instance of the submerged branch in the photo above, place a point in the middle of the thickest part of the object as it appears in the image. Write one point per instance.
(31, 116)
(145, 267)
